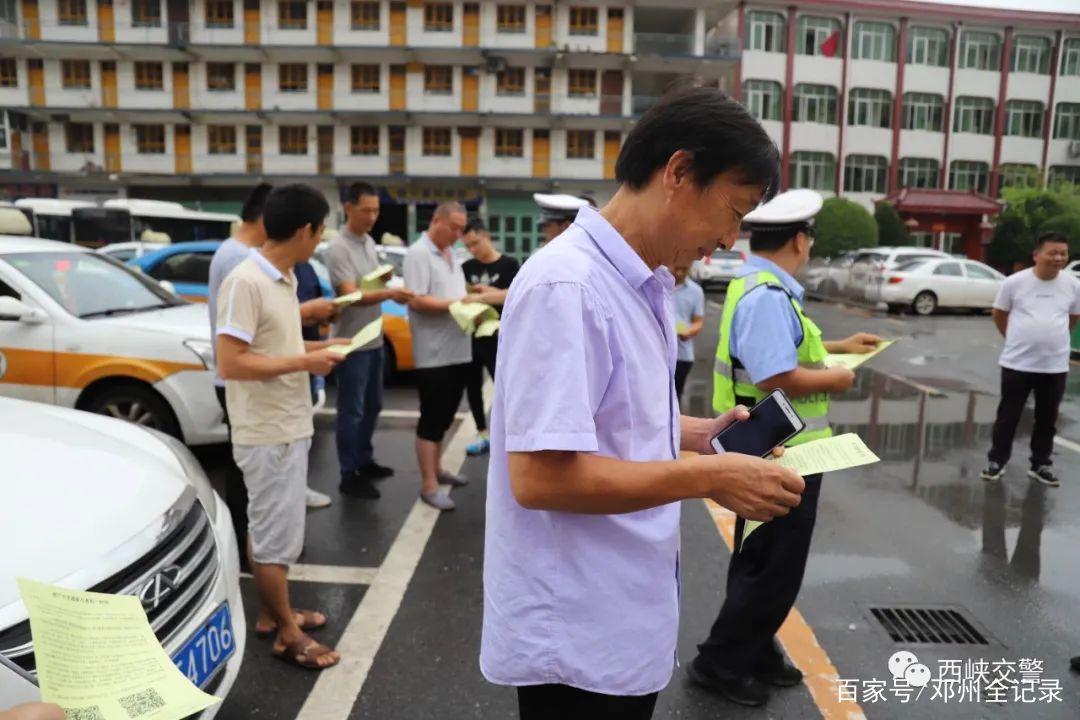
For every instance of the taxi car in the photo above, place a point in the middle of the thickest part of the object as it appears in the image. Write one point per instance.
(81, 330)
(111, 507)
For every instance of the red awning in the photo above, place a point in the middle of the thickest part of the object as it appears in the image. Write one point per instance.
(944, 202)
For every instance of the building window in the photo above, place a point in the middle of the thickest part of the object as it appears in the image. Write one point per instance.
(219, 14)
(815, 104)
(928, 46)
(968, 175)
(509, 143)
(292, 77)
(9, 73)
(292, 14)
(150, 139)
(580, 144)
(364, 140)
(220, 77)
(510, 81)
(865, 173)
(365, 15)
(437, 142)
(366, 78)
(814, 33)
(874, 41)
(1031, 55)
(974, 115)
(870, 108)
(149, 76)
(581, 83)
(1070, 57)
(765, 31)
(1067, 121)
(764, 98)
(80, 137)
(1024, 118)
(1019, 175)
(438, 79)
(1064, 174)
(438, 17)
(72, 12)
(76, 73)
(919, 172)
(924, 111)
(980, 51)
(510, 18)
(221, 139)
(584, 21)
(146, 13)
(813, 170)
(293, 140)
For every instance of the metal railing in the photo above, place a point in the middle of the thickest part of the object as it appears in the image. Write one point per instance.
(681, 45)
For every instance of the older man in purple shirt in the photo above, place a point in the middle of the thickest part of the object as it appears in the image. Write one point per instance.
(581, 560)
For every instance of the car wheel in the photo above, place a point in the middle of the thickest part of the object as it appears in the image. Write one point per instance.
(829, 287)
(136, 404)
(925, 303)
(389, 368)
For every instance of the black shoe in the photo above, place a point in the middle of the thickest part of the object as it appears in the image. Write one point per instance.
(741, 691)
(357, 486)
(375, 471)
(1045, 475)
(783, 676)
(993, 471)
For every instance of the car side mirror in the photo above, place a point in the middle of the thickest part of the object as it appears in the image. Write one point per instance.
(15, 309)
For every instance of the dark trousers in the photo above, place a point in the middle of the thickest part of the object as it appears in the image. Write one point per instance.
(562, 702)
(236, 496)
(1049, 388)
(763, 581)
(359, 402)
(682, 371)
(483, 356)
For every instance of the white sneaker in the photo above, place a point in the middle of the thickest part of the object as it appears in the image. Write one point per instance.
(316, 499)
(320, 400)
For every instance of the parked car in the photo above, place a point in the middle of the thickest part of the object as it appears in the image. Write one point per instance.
(868, 268)
(90, 503)
(927, 284)
(80, 330)
(128, 250)
(830, 276)
(720, 268)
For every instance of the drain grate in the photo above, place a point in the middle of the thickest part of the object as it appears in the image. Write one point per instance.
(928, 626)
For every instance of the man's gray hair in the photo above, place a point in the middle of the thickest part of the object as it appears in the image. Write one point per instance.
(446, 209)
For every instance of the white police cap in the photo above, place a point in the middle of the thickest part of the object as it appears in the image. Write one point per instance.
(792, 208)
(559, 208)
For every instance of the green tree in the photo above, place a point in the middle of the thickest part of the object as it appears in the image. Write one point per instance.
(1028, 213)
(843, 225)
(891, 229)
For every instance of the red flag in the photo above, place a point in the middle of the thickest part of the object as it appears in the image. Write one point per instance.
(831, 44)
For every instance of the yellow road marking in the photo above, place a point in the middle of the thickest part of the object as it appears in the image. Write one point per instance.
(797, 637)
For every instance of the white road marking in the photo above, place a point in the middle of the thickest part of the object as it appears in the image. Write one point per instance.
(714, 304)
(1066, 443)
(392, 414)
(336, 574)
(337, 689)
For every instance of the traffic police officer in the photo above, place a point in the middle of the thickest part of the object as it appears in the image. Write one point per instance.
(557, 212)
(767, 342)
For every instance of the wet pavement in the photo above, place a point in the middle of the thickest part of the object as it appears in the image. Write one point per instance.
(918, 530)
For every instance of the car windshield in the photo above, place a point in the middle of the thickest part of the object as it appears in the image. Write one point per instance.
(89, 285)
(726, 255)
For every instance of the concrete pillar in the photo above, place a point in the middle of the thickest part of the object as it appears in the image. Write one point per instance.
(699, 32)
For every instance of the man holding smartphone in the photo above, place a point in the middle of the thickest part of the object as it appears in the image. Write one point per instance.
(768, 343)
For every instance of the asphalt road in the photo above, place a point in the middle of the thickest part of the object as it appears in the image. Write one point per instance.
(918, 530)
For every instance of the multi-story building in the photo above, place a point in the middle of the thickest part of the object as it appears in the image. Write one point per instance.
(194, 100)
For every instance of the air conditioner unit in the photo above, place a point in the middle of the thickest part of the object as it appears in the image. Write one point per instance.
(1074, 149)
(495, 64)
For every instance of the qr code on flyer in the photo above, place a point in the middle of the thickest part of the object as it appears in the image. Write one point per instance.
(87, 713)
(141, 703)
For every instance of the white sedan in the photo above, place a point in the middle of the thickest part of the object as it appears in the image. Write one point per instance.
(927, 284)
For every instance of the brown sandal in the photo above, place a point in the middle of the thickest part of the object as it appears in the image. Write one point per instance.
(309, 620)
(304, 653)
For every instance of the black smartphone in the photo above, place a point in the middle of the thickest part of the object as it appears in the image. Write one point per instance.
(772, 422)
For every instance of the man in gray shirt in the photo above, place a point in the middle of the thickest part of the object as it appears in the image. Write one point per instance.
(349, 258)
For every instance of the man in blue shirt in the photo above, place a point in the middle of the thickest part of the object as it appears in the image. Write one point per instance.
(689, 319)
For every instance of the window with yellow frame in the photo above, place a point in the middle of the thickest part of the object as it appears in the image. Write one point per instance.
(220, 14)
(510, 18)
(71, 12)
(75, 73)
(510, 81)
(146, 13)
(293, 139)
(292, 77)
(581, 83)
(438, 79)
(9, 73)
(438, 17)
(509, 143)
(580, 144)
(149, 76)
(436, 142)
(366, 78)
(584, 21)
(364, 140)
(150, 139)
(365, 15)
(80, 137)
(292, 14)
(221, 139)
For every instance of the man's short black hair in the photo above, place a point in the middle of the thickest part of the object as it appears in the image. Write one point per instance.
(476, 225)
(720, 133)
(255, 203)
(357, 190)
(292, 207)
(771, 240)
(1050, 237)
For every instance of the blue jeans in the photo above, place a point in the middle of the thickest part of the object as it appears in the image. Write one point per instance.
(359, 402)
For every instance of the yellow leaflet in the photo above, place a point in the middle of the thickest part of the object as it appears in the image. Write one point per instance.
(854, 360)
(469, 316)
(376, 279)
(369, 332)
(350, 298)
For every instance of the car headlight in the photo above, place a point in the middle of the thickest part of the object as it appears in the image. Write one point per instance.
(204, 349)
(192, 470)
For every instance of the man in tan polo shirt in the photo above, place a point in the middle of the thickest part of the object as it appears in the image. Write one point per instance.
(265, 362)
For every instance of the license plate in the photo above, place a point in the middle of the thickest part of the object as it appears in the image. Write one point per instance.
(208, 649)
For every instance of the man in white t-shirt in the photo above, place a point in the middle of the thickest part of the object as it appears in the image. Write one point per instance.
(1035, 310)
